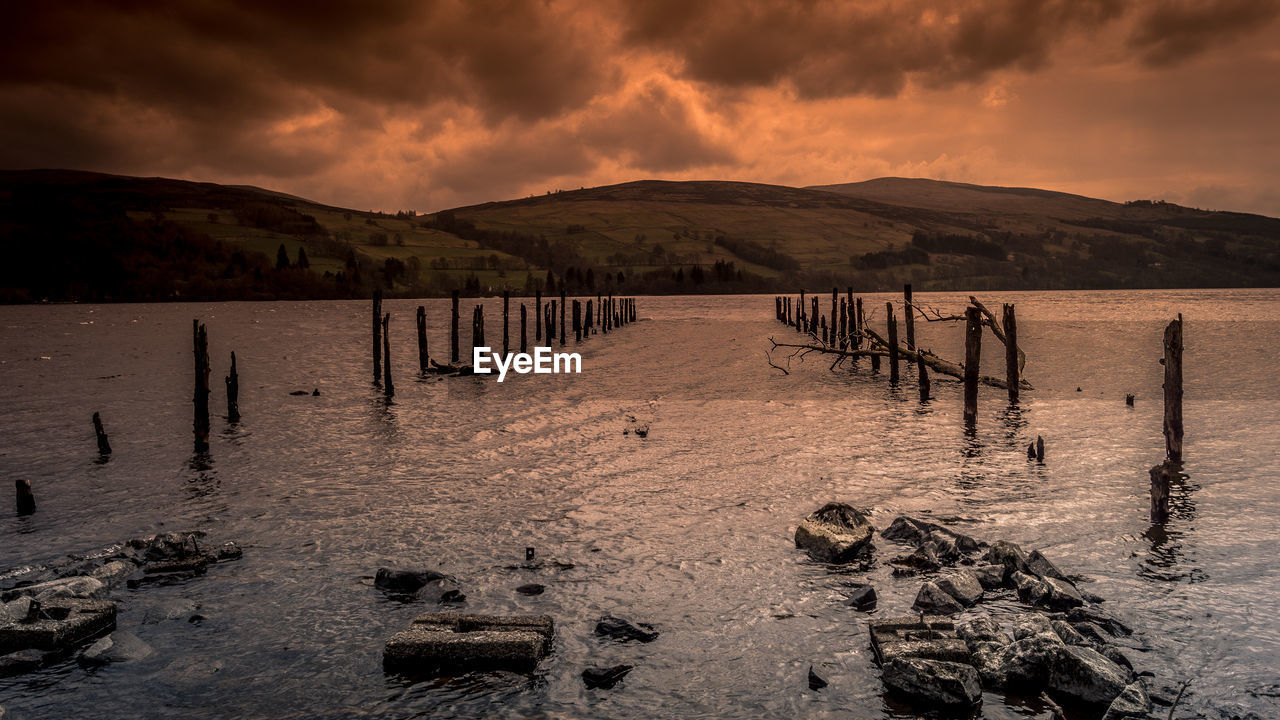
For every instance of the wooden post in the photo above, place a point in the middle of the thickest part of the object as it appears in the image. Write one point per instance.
(506, 323)
(524, 329)
(200, 345)
(823, 324)
(586, 320)
(1010, 323)
(424, 358)
(1039, 448)
(563, 307)
(477, 336)
(892, 323)
(1161, 475)
(453, 331)
(858, 324)
(813, 321)
(972, 359)
(910, 319)
(848, 332)
(537, 319)
(577, 320)
(233, 393)
(831, 336)
(104, 447)
(387, 387)
(843, 332)
(1173, 390)
(922, 373)
(377, 337)
(26, 502)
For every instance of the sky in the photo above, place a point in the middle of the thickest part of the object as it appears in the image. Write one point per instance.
(429, 105)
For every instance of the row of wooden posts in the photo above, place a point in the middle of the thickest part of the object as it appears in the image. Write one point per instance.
(603, 315)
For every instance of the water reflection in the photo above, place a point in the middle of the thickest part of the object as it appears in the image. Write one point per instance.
(1167, 558)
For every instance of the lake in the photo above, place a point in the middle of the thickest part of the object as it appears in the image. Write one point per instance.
(690, 528)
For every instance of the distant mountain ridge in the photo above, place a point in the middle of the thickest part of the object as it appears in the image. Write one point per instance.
(81, 235)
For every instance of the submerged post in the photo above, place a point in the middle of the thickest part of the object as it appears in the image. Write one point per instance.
(506, 323)
(200, 346)
(104, 447)
(1161, 475)
(1173, 390)
(1011, 353)
(893, 342)
(972, 359)
(524, 329)
(233, 393)
(922, 373)
(423, 357)
(26, 502)
(453, 331)
(909, 309)
(377, 336)
(387, 387)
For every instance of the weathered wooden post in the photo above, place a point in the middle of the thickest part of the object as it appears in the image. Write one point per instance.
(233, 392)
(586, 320)
(922, 373)
(910, 309)
(1039, 448)
(506, 323)
(424, 358)
(972, 360)
(524, 329)
(537, 320)
(1173, 389)
(577, 320)
(823, 325)
(835, 295)
(1161, 475)
(563, 308)
(477, 337)
(387, 387)
(453, 331)
(200, 345)
(848, 332)
(26, 502)
(858, 324)
(1010, 323)
(813, 321)
(104, 447)
(893, 342)
(377, 336)
(843, 332)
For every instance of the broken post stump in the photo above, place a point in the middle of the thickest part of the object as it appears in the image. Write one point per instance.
(377, 336)
(537, 320)
(972, 359)
(104, 447)
(453, 331)
(524, 329)
(577, 321)
(1039, 448)
(1161, 476)
(386, 356)
(424, 358)
(233, 392)
(26, 502)
(1011, 353)
(908, 307)
(1173, 389)
(563, 305)
(922, 373)
(200, 425)
(506, 323)
(893, 342)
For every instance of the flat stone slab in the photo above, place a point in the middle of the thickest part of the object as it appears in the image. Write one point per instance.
(454, 641)
(908, 637)
(64, 623)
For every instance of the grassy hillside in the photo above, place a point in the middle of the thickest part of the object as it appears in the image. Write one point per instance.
(75, 235)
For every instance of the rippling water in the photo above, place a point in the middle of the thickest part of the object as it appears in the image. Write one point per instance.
(689, 529)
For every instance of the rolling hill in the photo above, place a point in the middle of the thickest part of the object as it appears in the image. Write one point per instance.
(89, 236)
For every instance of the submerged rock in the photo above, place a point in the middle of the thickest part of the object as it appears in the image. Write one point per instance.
(621, 630)
(815, 682)
(835, 533)
(1086, 675)
(424, 585)
(1132, 703)
(22, 661)
(117, 647)
(933, 683)
(932, 600)
(962, 586)
(862, 597)
(531, 589)
(605, 678)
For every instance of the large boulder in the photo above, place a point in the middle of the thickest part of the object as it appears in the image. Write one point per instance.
(933, 683)
(962, 586)
(1031, 625)
(1023, 665)
(1131, 704)
(990, 577)
(1085, 675)
(982, 630)
(1062, 594)
(1068, 634)
(931, 600)
(1007, 554)
(1039, 565)
(1031, 589)
(1099, 617)
(835, 533)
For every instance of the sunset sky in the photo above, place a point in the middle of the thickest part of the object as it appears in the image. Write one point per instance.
(427, 105)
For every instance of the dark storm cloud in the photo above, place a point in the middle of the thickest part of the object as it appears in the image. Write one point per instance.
(1170, 32)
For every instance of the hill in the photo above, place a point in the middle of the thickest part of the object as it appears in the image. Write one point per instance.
(89, 236)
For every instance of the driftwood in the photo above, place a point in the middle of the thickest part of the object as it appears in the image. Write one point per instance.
(988, 319)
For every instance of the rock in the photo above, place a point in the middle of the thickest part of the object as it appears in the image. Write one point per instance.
(1091, 633)
(1007, 554)
(1085, 675)
(1090, 597)
(1130, 704)
(114, 572)
(962, 586)
(934, 639)
(1062, 594)
(944, 547)
(188, 566)
(862, 597)
(1040, 566)
(227, 551)
(1112, 653)
(1031, 590)
(905, 529)
(22, 661)
(990, 577)
(1067, 633)
(933, 683)
(21, 609)
(62, 625)
(835, 533)
(815, 682)
(78, 586)
(933, 601)
(171, 546)
(1023, 665)
(605, 678)
(922, 559)
(169, 610)
(453, 641)
(981, 629)
(1032, 625)
(117, 647)
(621, 630)
(1095, 615)
(424, 585)
(531, 589)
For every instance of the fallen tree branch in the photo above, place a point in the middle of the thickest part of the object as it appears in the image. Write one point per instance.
(988, 319)
(769, 360)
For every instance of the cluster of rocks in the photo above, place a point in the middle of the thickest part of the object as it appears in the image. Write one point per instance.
(1062, 646)
(48, 612)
